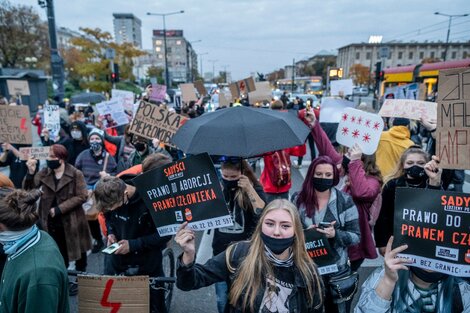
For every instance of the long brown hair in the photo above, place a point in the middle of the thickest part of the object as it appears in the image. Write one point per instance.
(240, 196)
(399, 168)
(253, 270)
(370, 167)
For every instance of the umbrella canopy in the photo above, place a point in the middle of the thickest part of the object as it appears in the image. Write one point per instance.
(87, 97)
(241, 131)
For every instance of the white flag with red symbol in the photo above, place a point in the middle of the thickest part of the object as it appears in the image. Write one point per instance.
(360, 127)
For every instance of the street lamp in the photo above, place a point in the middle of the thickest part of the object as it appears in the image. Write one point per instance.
(200, 56)
(450, 16)
(164, 15)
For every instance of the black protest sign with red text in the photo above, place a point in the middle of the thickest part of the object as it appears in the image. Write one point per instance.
(319, 249)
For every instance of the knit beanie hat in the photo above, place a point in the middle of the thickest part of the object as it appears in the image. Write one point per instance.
(98, 132)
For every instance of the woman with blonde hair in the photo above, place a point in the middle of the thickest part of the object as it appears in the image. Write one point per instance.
(271, 272)
(414, 169)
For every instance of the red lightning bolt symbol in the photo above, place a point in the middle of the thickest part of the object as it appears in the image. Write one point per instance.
(104, 300)
(23, 124)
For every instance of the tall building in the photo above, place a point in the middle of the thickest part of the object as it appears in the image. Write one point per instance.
(127, 28)
(182, 59)
(400, 53)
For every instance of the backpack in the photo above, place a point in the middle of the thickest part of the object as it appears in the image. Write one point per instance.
(280, 174)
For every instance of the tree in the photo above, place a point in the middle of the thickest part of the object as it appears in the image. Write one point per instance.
(22, 35)
(360, 74)
(156, 72)
(94, 70)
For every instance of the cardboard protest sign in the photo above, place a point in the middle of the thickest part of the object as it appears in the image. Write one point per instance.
(332, 108)
(52, 120)
(104, 294)
(225, 97)
(435, 226)
(158, 93)
(319, 249)
(125, 98)
(262, 93)
(18, 87)
(156, 121)
(412, 109)
(242, 87)
(453, 111)
(201, 89)
(188, 93)
(39, 153)
(112, 113)
(360, 127)
(185, 190)
(15, 124)
(341, 87)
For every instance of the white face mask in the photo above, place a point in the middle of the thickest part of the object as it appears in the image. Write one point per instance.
(76, 134)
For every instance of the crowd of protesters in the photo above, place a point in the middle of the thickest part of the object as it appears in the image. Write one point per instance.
(84, 199)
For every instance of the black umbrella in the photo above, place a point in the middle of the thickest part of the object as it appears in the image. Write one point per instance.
(241, 131)
(87, 97)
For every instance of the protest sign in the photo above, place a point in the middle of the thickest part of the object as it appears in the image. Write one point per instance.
(242, 87)
(15, 124)
(158, 93)
(453, 111)
(341, 87)
(262, 93)
(187, 190)
(112, 113)
(125, 98)
(331, 109)
(104, 294)
(187, 93)
(201, 89)
(225, 97)
(409, 91)
(52, 120)
(319, 249)
(360, 127)
(39, 153)
(412, 109)
(18, 87)
(156, 121)
(435, 226)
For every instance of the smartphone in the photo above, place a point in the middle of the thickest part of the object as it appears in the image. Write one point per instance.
(323, 225)
(111, 249)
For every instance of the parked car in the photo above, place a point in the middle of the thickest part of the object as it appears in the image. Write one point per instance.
(360, 91)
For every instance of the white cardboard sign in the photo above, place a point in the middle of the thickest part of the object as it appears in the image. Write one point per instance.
(112, 113)
(126, 98)
(331, 109)
(412, 109)
(344, 86)
(52, 120)
(360, 127)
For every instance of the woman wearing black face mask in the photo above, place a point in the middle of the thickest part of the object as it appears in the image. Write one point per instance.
(414, 169)
(245, 198)
(397, 287)
(60, 209)
(319, 201)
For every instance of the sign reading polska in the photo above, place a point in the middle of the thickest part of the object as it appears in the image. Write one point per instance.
(187, 190)
(435, 225)
(320, 251)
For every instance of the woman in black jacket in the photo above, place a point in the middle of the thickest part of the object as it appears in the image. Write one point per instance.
(270, 273)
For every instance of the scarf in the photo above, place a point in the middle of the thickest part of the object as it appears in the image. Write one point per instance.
(279, 263)
(12, 240)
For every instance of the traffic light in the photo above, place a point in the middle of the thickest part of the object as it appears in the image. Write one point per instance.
(378, 71)
(115, 73)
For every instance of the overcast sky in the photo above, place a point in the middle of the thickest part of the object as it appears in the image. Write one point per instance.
(264, 35)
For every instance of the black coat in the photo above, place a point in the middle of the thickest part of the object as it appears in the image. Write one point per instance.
(196, 276)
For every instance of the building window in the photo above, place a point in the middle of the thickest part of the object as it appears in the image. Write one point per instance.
(400, 55)
(368, 54)
(358, 55)
(158, 42)
(454, 54)
(433, 54)
(178, 42)
(158, 49)
(410, 55)
(421, 55)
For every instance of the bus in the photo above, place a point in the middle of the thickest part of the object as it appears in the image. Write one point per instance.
(427, 74)
(308, 85)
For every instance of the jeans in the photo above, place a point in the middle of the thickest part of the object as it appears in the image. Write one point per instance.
(221, 293)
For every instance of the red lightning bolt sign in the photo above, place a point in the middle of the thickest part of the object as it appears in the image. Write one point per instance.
(115, 306)
(23, 126)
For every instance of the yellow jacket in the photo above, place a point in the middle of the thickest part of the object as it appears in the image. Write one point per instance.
(391, 146)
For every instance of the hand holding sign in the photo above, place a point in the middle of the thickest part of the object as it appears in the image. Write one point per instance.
(392, 263)
(31, 164)
(185, 238)
(355, 152)
(433, 171)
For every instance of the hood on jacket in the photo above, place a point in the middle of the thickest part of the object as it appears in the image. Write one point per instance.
(82, 127)
(400, 132)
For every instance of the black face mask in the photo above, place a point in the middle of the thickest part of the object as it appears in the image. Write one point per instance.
(230, 184)
(95, 146)
(416, 172)
(53, 164)
(322, 184)
(140, 146)
(428, 277)
(277, 245)
(345, 163)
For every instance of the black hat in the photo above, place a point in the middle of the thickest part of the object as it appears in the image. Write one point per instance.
(400, 121)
